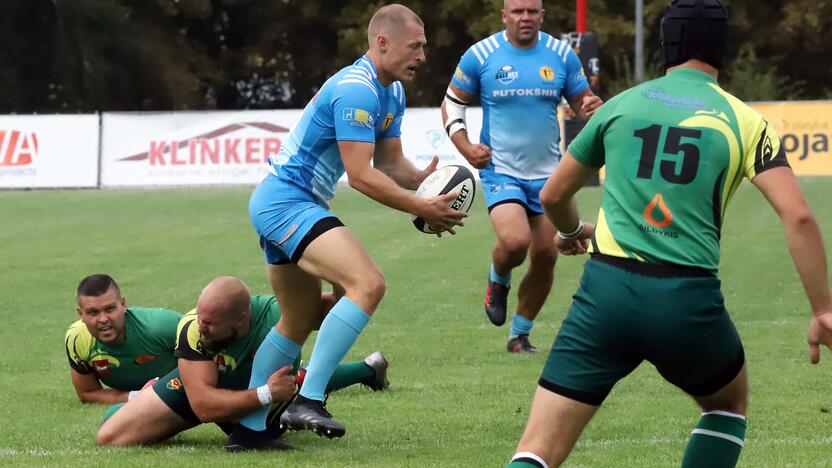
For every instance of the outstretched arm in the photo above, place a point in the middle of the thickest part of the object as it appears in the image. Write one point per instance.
(780, 187)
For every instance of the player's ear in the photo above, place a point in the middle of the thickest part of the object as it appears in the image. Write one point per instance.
(78, 309)
(382, 42)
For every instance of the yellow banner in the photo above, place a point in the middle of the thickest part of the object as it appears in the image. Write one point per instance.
(805, 128)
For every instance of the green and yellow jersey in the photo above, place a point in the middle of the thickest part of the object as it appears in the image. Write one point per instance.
(145, 353)
(675, 149)
(234, 362)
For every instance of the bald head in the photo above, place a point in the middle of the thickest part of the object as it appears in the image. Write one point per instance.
(390, 21)
(225, 296)
(507, 4)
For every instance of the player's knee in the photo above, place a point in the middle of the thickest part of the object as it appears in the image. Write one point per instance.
(516, 245)
(106, 435)
(369, 287)
(375, 288)
(544, 257)
(735, 405)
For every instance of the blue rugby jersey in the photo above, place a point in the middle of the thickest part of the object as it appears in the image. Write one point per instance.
(351, 106)
(520, 90)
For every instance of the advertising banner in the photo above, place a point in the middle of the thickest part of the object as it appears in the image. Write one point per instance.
(423, 137)
(805, 128)
(40, 151)
(190, 148)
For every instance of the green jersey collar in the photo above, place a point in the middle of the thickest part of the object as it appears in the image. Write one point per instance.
(691, 74)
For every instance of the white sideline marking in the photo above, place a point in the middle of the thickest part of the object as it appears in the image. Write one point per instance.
(39, 452)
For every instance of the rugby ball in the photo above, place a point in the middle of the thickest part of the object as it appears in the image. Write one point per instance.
(445, 180)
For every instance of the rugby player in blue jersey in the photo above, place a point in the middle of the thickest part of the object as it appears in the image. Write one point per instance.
(520, 76)
(355, 119)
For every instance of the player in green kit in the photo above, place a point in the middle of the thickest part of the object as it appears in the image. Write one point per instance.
(675, 149)
(117, 346)
(216, 343)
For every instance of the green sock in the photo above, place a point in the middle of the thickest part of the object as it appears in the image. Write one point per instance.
(111, 411)
(716, 441)
(348, 374)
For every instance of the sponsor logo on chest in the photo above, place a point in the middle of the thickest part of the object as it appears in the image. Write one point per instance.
(507, 74)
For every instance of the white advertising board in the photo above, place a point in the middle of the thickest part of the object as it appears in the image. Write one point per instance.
(190, 148)
(424, 137)
(39, 151)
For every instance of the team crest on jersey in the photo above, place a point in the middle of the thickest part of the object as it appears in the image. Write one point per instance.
(507, 74)
(359, 117)
(547, 73)
(225, 363)
(174, 384)
(388, 120)
(103, 364)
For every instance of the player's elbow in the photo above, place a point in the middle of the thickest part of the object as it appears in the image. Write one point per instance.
(87, 397)
(357, 181)
(207, 412)
(551, 196)
(203, 411)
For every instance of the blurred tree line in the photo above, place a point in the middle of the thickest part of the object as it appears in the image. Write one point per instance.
(105, 55)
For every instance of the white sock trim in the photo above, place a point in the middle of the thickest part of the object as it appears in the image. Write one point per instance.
(721, 435)
(725, 413)
(529, 455)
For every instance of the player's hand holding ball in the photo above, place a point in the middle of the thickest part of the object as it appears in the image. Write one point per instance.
(447, 194)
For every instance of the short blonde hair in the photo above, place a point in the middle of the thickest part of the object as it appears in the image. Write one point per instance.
(390, 20)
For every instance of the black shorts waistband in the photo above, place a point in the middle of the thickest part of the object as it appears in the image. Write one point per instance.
(655, 270)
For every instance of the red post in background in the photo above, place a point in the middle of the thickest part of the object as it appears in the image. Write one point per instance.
(580, 17)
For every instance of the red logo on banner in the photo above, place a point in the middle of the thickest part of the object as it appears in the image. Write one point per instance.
(17, 148)
(210, 149)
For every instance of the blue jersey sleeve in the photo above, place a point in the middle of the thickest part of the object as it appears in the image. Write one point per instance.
(467, 74)
(354, 109)
(575, 79)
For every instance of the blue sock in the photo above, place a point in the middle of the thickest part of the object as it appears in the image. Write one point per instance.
(274, 352)
(339, 331)
(505, 280)
(521, 325)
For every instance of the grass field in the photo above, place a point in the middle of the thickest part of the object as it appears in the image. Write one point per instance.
(457, 398)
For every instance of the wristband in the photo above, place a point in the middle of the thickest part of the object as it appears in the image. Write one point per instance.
(575, 233)
(264, 395)
(132, 394)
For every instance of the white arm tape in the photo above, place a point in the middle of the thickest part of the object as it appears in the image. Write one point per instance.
(264, 395)
(455, 110)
